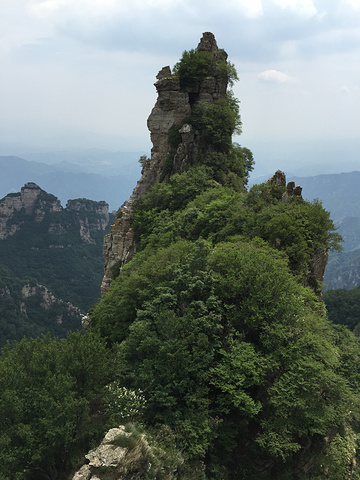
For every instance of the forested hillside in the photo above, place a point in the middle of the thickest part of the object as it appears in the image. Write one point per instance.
(210, 343)
(51, 262)
(344, 307)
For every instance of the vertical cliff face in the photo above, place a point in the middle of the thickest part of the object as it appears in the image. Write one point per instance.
(91, 216)
(174, 105)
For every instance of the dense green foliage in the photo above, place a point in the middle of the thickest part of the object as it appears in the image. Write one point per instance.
(194, 66)
(235, 356)
(302, 230)
(21, 316)
(52, 252)
(343, 307)
(216, 123)
(51, 395)
(229, 349)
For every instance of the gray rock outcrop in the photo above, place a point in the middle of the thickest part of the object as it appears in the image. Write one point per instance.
(47, 300)
(32, 200)
(290, 190)
(33, 204)
(125, 454)
(107, 454)
(90, 216)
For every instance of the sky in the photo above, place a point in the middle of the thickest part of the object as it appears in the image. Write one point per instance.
(81, 73)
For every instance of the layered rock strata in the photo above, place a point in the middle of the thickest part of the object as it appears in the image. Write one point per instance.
(173, 106)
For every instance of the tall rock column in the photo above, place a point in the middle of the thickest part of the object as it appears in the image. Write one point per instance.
(174, 104)
(171, 108)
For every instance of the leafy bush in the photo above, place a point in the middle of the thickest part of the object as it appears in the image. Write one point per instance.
(216, 123)
(195, 65)
(50, 399)
(191, 205)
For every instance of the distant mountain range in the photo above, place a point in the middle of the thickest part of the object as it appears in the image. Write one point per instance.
(339, 192)
(98, 176)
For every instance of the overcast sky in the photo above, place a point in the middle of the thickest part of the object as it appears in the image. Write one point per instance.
(80, 73)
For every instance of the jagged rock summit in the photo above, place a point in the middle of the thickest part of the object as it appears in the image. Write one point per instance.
(173, 107)
(34, 203)
(32, 200)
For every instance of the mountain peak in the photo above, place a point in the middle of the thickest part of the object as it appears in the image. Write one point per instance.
(200, 78)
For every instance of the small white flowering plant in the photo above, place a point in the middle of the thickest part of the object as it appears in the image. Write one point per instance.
(124, 404)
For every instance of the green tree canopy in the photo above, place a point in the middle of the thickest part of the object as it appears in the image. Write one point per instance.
(235, 356)
(51, 394)
(343, 307)
(196, 65)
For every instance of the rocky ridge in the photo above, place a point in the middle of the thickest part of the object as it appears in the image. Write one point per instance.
(30, 201)
(110, 455)
(50, 261)
(33, 203)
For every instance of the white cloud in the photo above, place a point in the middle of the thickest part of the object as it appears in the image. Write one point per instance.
(304, 8)
(355, 4)
(274, 76)
(345, 89)
(251, 8)
(94, 8)
(92, 63)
